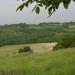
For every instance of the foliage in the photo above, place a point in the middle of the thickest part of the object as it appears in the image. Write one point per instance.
(66, 40)
(1, 45)
(50, 5)
(41, 33)
(25, 49)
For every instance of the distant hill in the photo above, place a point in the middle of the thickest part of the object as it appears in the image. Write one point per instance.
(41, 33)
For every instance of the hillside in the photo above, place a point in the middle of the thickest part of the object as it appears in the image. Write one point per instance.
(41, 33)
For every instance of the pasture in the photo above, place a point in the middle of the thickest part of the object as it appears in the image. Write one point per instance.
(60, 62)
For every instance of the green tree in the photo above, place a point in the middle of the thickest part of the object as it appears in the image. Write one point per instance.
(50, 5)
(67, 40)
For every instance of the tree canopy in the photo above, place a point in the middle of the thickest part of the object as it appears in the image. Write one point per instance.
(50, 5)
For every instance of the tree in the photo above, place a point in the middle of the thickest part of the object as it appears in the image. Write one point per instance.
(50, 5)
(66, 40)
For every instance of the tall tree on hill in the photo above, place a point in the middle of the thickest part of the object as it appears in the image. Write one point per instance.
(50, 5)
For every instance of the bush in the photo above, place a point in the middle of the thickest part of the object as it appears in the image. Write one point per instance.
(1, 45)
(66, 41)
(25, 49)
(58, 46)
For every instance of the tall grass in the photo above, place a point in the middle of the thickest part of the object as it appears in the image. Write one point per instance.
(61, 62)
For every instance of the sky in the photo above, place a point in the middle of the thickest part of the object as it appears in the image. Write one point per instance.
(8, 14)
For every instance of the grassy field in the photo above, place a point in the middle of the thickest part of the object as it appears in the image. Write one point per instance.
(60, 62)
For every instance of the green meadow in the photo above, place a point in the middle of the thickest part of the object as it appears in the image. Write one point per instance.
(60, 62)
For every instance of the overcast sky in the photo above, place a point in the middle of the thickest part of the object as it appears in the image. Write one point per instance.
(8, 14)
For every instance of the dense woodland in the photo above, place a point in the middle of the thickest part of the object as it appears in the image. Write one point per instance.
(63, 33)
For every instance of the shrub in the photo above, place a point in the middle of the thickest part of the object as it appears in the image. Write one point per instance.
(58, 46)
(25, 49)
(1, 45)
(66, 41)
